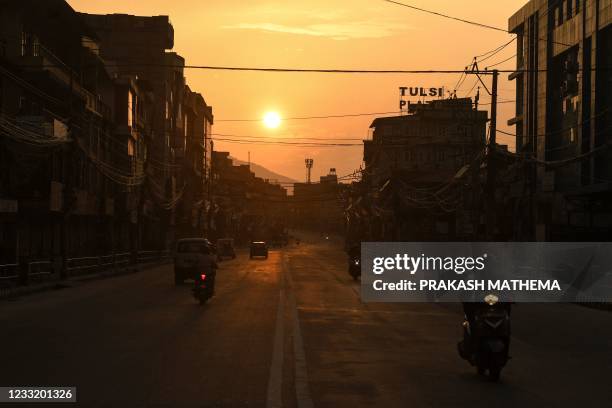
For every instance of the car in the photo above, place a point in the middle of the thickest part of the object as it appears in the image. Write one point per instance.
(259, 248)
(225, 248)
(188, 257)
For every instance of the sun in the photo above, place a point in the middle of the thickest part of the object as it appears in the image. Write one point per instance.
(272, 120)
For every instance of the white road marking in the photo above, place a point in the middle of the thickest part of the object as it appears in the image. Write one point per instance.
(275, 382)
(369, 311)
(302, 390)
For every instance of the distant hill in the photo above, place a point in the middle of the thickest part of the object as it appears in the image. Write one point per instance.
(264, 173)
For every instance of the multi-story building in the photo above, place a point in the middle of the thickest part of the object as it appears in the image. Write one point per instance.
(319, 206)
(197, 148)
(411, 161)
(245, 206)
(563, 119)
(426, 146)
(102, 145)
(140, 46)
(56, 135)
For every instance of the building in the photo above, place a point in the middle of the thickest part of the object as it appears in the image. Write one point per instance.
(245, 207)
(179, 160)
(319, 206)
(426, 146)
(195, 155)
(104, 149)
(563, 87)
(56, 129)
(411, 165)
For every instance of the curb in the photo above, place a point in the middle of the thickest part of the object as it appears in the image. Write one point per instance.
(20, 291)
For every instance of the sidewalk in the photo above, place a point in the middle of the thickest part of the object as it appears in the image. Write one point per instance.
(55, 283)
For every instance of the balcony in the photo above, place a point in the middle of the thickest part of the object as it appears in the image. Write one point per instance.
(35, 57)
(40, 125)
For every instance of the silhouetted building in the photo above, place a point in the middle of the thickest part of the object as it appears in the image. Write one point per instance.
(57, 147)
(245, 206)
(195, 155)
(412, 160)
(103, 146)
(563, 118)
(180, 147)
(319, 206)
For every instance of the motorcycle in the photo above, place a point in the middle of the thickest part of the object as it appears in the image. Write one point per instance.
(202, 290)
(486, 337)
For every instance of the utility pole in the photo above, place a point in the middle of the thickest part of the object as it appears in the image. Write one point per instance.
(211, 201)
(491, 182)
(491, 162)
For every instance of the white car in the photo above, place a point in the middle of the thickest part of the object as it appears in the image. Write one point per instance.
(192, 256)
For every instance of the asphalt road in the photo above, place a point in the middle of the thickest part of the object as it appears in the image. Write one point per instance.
(289, 331)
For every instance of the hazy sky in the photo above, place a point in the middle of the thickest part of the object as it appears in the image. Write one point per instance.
(351, 34)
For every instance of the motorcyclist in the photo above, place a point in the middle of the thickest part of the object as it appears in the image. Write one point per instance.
(208, 266)
(470, 309)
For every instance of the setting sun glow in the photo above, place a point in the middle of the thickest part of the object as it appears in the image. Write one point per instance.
(272, 120)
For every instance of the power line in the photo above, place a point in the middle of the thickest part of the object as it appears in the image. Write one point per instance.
(324, 70)
(475, 23)
(302, 144)
(501, 62)
(495, 50)
(566, 129)
(471, 89)
(287, 137)
(348, 115)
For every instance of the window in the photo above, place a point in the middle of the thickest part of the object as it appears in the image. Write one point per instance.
(185, 125)
(130, 109)
(30, 46)
(131, 148)
(559, 15)
(193, 247)
(24, 44)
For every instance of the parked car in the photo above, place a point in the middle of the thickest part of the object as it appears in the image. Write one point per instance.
(258, 248)
(189, 257)
(225, 248)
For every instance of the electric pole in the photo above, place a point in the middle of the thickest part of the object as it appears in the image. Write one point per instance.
(491, 162)
(491, 181)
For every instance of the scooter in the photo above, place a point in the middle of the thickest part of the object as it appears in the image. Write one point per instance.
(202, 290)
(486, 339)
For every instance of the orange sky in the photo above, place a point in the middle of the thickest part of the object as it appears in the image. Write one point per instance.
(351, 34)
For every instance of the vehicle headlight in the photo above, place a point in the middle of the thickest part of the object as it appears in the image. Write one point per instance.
(491, 299)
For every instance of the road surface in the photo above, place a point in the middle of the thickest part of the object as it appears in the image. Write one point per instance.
(289, 331)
